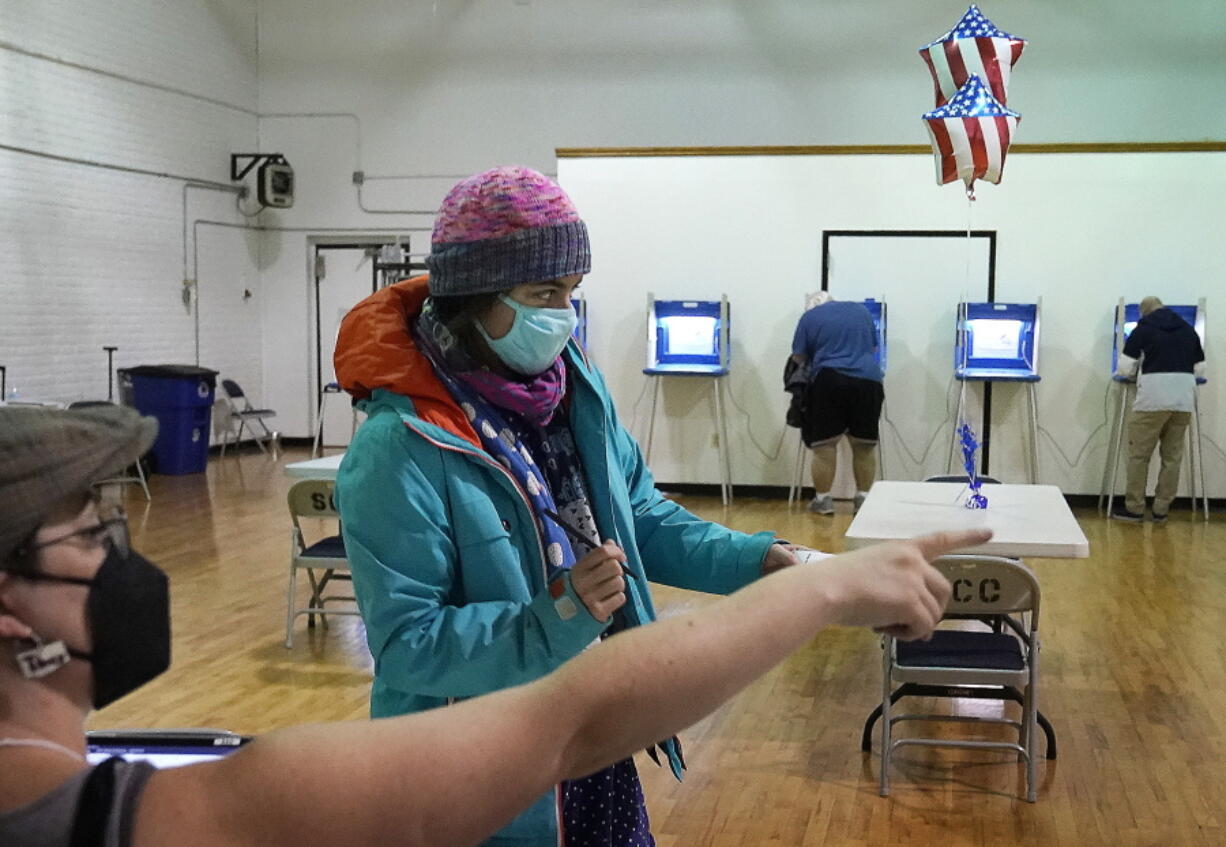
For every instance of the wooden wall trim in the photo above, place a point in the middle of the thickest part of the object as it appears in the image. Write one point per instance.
(882, 149)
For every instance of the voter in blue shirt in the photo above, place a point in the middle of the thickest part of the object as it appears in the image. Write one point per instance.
(837, 341)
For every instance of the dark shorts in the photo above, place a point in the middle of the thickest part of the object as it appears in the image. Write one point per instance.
(838, 404)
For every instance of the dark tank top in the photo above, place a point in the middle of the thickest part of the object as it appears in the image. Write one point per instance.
(94, 808)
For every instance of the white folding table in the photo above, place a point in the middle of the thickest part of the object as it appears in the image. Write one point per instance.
(323, 468)
(1027, 521)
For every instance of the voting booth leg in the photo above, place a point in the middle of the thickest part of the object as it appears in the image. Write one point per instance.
(798, 470)
(1111, 475)
(881, 444)
(725, 462)
(1108, 468)
(721, 424)
(651, 418)
(1196, 458)
(1034, 433)
(1190, 450)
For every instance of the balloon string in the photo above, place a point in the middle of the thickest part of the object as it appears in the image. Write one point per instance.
(966, 275)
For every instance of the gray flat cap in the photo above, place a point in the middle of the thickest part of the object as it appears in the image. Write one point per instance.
(48, 454)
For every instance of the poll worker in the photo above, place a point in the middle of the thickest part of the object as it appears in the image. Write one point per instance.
(84, 620)
(837, 342)
(1170, 357)
(478, 496)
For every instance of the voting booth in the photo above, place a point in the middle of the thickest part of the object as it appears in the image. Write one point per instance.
(877, 310)
(1126, 317)
(691, 338)
(999, 342)
(1125, 321)
(688, 337)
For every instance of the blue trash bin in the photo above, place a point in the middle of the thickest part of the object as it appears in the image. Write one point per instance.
(181, 398)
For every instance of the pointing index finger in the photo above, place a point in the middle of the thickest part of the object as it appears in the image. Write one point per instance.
(939, 543)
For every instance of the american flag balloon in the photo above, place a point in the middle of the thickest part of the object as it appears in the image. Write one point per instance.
(970, 135)
(975, 46)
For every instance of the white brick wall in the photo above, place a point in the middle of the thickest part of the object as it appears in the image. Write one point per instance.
(89, 256)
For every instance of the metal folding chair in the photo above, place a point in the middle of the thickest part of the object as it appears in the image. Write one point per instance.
(312, 498)
(245, 414)
(975, 664)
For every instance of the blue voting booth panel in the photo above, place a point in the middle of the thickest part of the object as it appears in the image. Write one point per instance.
(1132, 314)
(996, 342)
(689, 338)
(580, 333)
(876, 309)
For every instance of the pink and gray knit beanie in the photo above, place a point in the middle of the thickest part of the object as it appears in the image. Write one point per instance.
(505, 227)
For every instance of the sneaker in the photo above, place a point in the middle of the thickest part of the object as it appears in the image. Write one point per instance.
(1157, 518)
(822, 505)
(859, 501)
(1121, 513)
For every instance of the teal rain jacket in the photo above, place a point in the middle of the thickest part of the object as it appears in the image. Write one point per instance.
(447, 559)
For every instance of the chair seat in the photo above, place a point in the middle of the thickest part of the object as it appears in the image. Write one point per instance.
(960, 649)
(332, 547)
(253, 413)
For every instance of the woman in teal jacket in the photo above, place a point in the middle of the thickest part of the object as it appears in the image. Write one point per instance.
(498, 518)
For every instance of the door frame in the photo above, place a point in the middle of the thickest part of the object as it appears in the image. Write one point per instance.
(318, 246)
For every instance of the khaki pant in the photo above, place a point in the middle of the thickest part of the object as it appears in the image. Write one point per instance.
(1145, 431)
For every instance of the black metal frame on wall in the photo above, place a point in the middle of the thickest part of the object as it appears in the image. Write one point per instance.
(990, 235)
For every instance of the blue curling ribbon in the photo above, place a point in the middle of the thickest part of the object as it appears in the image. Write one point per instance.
(970, 446)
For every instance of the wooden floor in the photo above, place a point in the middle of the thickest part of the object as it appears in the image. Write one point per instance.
(1133, 677)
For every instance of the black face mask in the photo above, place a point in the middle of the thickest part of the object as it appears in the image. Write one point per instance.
(128, 611)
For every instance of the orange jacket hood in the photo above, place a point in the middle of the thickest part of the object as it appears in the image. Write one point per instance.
(375, 349)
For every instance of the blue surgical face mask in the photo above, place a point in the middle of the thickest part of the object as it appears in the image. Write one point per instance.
(537, 336)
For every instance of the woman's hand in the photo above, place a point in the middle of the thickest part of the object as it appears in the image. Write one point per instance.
(778, 557)
(597, 579)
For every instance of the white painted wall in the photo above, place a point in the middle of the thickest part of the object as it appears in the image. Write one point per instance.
(1078, 230)
(436, 91)
(458, 85)
(442, 89)
(92, 256)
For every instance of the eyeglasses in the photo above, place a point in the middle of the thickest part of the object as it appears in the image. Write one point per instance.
(112, 526)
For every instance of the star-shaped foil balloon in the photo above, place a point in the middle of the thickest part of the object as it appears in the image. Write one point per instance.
(975, 46)
(970, 447)
(970, 135)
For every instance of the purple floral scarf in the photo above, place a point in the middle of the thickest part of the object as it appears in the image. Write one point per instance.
(536, 399)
